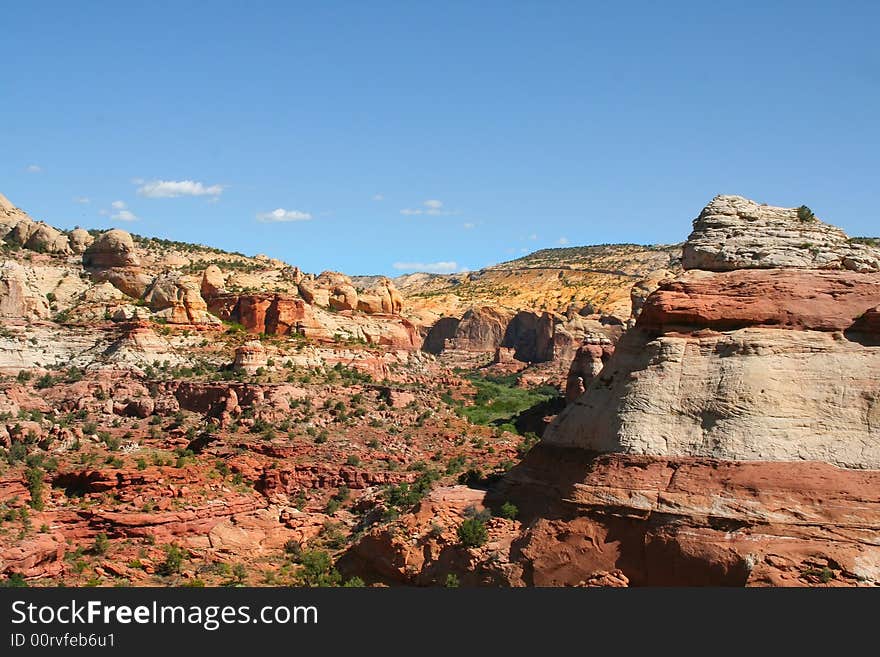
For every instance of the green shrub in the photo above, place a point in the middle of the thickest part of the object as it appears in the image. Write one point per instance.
(405, 496)
(529, 440)
(35, 486)
(509, 511)
(472, 532)
(174, 556)
(101, 544)
(805, 214)
(239, 573)
(317, 570)
(45, 381)
(15, 580)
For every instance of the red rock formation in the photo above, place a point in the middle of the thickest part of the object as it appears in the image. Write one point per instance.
(481, 329)
(651, 520)
(251, 311)
(250, 357)
(272, 314)
(286, 314)
(784, 298)
(291, 479)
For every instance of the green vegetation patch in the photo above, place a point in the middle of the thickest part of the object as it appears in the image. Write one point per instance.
(499, 400)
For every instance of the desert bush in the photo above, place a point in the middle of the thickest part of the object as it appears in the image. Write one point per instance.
(472, 532)
(805, 214)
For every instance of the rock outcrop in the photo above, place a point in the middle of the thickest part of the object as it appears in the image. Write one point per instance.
(750, 364)
(18, 229)
(588, 363)
(80, 240)
(482, 329)
(112, 257)
(113, 248)
(178, 300)
(653, 521)
(213, 282)
(735, 233)
(250, 357)
(20, 296)
(439, 334)
(271, 314)
(382, 297)
(546, 339)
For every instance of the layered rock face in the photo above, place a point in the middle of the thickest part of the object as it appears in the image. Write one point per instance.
(735, 233)
(750, 364)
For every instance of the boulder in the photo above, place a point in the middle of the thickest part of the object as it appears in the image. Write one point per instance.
(113, 248)
(587, 365)
(80, 240)
(46, 239)
(343, 297)
(213, 282)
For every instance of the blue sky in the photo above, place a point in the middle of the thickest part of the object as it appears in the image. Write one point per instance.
(381, 137)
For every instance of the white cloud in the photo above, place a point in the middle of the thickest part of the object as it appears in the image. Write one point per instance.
(282, 215)
(467, 226)
(82, 200)
(378, 197)
(34, 168)
(175, 188)
(118, 205)
(431, 206)
(533, 237)
(443, 267)
(124, 215)
(562, 241)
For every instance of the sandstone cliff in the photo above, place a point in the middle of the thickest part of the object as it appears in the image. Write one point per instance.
(771, 362)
